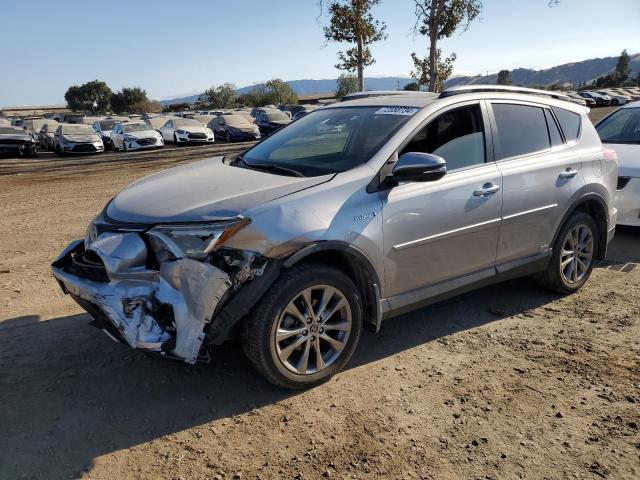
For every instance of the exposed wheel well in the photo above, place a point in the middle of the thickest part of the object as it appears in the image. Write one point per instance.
(597, 211)
(359, 273)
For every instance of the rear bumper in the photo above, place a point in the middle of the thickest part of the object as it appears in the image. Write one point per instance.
(163, 311)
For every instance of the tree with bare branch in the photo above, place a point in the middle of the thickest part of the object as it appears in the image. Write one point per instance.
(351, 21)
(437, 19)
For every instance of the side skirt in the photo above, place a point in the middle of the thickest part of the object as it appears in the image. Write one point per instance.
(407, 302)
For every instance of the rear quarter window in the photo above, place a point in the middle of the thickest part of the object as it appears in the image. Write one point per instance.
(570, 123)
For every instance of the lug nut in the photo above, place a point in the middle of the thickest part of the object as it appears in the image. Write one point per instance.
(304, 332)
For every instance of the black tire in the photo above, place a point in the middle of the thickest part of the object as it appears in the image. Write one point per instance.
(31, 153)
(258, 332)
(228, 138)
(614, 102)
(57, 150)
(553, 278)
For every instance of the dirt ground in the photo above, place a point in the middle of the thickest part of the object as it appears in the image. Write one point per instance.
(506, 382)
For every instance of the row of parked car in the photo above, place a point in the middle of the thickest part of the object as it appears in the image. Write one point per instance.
(608, 97)
(85, 134)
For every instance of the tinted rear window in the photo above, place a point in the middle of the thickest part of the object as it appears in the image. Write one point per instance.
(522, 129)
(569, 122)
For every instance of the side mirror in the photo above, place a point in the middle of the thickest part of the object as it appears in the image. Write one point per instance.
(418, 167)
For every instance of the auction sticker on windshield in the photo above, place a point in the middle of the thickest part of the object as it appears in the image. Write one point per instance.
(397, 111)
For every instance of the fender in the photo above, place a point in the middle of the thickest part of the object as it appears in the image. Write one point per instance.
(581, 197)
(374, 307)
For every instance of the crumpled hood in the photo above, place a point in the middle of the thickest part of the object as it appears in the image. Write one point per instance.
(202, 191)
(628, 158)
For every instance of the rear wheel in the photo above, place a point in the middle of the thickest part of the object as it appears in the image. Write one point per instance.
(614, 102)
(573, 255)
(306, 328)
(227, 137)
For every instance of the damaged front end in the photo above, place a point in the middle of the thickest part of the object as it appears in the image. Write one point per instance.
(161, 289)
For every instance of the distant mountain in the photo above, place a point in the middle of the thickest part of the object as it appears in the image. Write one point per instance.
(573, 73)
(310, 87)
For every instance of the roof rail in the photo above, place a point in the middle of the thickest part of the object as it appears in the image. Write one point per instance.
(459, 90)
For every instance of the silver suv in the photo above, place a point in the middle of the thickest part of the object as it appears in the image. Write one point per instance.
(356, 213)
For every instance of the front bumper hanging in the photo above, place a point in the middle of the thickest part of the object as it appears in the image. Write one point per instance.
(162, 311)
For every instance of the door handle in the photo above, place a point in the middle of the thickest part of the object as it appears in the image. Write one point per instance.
(486, 190)
(568, 173)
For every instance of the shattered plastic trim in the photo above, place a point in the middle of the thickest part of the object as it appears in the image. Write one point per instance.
(192, 288)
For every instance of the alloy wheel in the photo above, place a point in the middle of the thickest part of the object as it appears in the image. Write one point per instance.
(577, 254)
(313, 330)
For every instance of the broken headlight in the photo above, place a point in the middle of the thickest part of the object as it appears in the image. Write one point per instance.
(195, 241)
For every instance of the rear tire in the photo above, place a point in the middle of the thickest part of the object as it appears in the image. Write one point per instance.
(614, 102)
(574, 252)
(228, 138)
(294, 346)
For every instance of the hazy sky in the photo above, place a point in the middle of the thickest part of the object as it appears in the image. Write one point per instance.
(173, 48)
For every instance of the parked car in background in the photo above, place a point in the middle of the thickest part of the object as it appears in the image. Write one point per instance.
(233, 128)
(620, 131)
(135, 136)
(156, 122)
(616, 98)
(16, 141)
(575, 98)
(103, 129)
(203, 119)
(32, 126)
(47, 134)
(185, 130)
(601, 100)
(297, 244)
(271, 121)
(77, 138)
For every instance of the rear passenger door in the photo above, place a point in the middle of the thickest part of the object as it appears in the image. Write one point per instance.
(540, 172)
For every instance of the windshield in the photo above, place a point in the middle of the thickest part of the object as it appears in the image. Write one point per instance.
(77, 130)
(186, 122)
(107, 124)
(277, 116)
(134, 127)
(622, 126)
(329, 140)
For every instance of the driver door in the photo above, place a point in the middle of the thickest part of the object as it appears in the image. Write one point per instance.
(444, 234)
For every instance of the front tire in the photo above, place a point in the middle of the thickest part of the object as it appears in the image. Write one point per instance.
(306, 327)
(573, 256)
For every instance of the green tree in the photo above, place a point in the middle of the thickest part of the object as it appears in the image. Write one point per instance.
(222, 96)
(504, 77)
(438, 19)
(422, 72)
(280, 92)
(412, 87)
(351, 21)
(347, 83)
(623, 70)
(94, 96)
(129, 99)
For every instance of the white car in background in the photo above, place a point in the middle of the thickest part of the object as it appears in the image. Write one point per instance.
(616, 99)
(186, 130)
(135, 136)
(620, 131)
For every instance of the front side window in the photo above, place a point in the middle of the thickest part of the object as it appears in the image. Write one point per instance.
(330, 140)
(456, 135)
(522, 129)
(622, 126)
